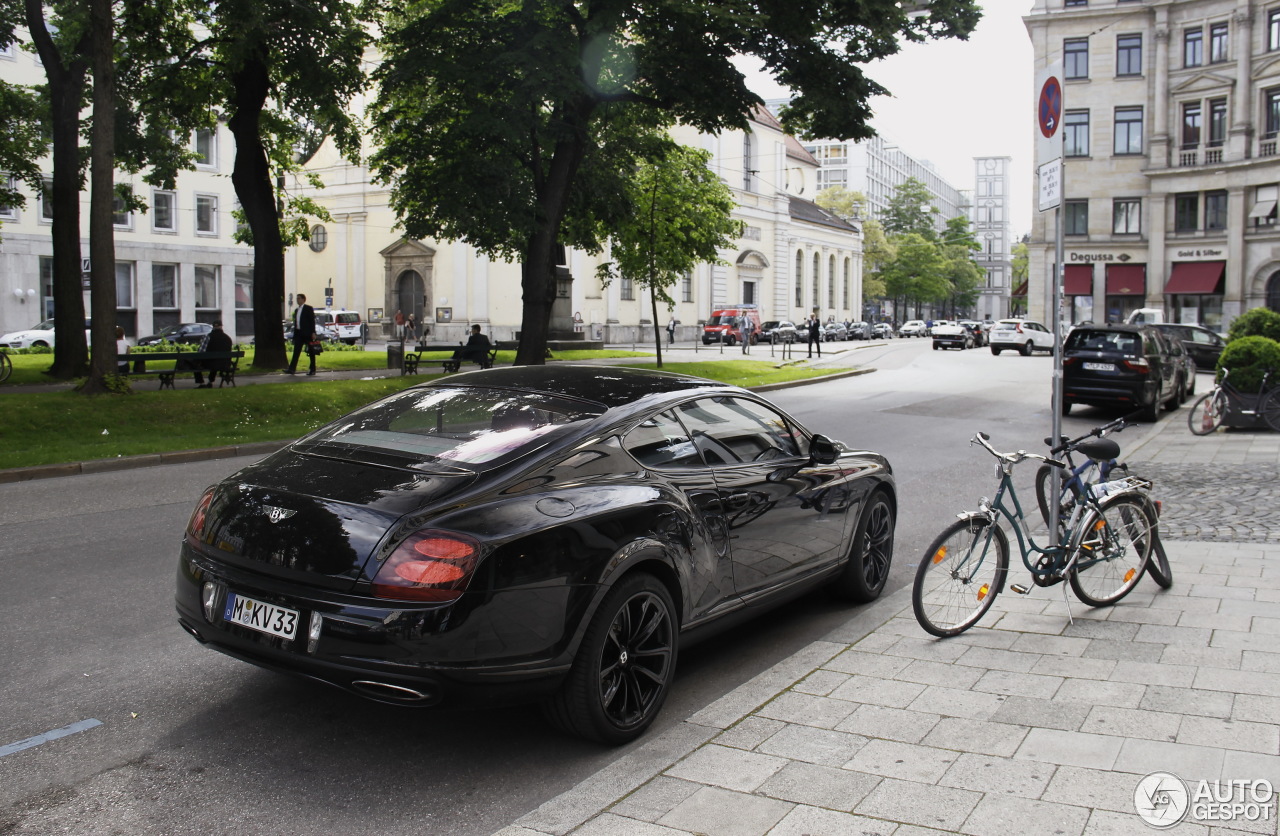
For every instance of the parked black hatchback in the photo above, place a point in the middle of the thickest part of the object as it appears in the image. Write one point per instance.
(1127, 366)
(1204, 346)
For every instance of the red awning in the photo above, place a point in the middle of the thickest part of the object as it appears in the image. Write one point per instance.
(1126, 279)
(1020, 290)
(1079, 280)
(1196, 277)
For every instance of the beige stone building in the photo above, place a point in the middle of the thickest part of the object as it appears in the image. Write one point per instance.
(793, 257)
(1171, 111)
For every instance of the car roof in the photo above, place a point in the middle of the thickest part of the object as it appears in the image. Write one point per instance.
(610, 386)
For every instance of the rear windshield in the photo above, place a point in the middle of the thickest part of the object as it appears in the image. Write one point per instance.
(348, 318)
(1005, 326)
(455, 426)
(1113, 341)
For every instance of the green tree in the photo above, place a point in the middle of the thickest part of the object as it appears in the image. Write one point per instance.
(25, 140)
(681, 217)
(849, 204)
(957, 247)
(916, 273)
(1019, 271)
(497, 121)
(877, 251)
(910, 210)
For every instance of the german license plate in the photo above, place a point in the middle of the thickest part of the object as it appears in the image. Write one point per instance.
(1099, 367)
(261, 616)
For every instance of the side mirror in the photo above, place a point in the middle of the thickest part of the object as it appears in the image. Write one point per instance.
(823, 450)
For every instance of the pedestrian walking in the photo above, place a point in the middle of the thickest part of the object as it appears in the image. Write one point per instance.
(815, 335)
(304, 333)
(398, 319)
(671, 331)
(411, 329)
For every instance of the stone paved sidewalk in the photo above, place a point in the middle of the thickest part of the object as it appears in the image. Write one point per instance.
(1025, 724)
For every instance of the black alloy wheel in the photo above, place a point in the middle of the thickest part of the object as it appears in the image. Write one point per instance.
(870, 553)
(623, 670)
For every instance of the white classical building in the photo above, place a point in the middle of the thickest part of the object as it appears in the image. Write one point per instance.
(793, 258)
(1171, 112)
(175, 263)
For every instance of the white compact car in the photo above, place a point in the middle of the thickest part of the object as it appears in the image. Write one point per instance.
(39, 335)
(1021, 335)
(913, 328)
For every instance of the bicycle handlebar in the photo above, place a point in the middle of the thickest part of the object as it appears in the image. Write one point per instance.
(1013, 458)
(1069, 445)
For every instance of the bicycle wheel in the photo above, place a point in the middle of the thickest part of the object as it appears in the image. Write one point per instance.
(1269, 409)
(1206, 414)
(1112, 546)
(959, 576)
(1158, 565)
(6, 367)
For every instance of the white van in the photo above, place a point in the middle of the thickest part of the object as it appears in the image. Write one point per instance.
(345, 322)
(1148, 316)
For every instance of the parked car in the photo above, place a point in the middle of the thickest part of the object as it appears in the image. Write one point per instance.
(913, 328)
(951, 335)
(779, 331)
(345, 324)
(1183, 362)
(530, 533)
(1022, 335)
(883, 331)
(1204, 346)
(188, 333)
(40, 335)
(833, 331)
(1127, 366)
(859, 330)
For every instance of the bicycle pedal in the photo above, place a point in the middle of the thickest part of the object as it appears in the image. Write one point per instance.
(1019, 588)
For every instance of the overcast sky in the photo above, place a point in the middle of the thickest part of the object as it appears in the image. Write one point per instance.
(956, 100)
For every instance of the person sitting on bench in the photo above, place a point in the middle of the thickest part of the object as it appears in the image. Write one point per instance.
(215, 340)
(477, 347)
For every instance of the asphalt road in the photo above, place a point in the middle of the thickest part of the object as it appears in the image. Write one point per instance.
(193, 742)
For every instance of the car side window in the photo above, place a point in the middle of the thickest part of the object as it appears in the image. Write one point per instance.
(662, 442)
(730, 430)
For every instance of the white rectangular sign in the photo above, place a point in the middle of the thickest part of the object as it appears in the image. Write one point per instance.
(1050, 185)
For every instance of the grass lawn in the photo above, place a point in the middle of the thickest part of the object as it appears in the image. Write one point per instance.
(57, 427)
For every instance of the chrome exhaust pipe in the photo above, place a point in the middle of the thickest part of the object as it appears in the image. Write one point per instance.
(387, 692)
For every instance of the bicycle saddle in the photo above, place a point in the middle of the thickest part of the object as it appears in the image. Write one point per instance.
(1099, 449)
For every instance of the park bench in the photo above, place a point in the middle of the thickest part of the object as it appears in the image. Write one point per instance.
(137, 364)
(412, 359)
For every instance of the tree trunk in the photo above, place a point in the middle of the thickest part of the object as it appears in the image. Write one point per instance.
(251, 178)
(66, 89)
(102, 250)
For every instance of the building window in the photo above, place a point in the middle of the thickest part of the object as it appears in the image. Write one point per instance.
(319, 239)
(1070, 3)
(1272, 112)
(121, 217)
(164, 211)
(799, 278)
(817, 281)
(1075, 133)
(206, 214)
(1076, 217)
(627, 289)
(831, 282)
(1217, 122)
(7, 212)
(124, 284)
(1273, 30)
(206, 148)
(1193, 47)
(46, 200)
(848, 275)
(164, 285)
(1263, 212)
(207, 286)
(1129, 55)
(1128, 138)
(1075, 58)
(1215, 210)
(1186, 212)
(1191, 125)
(746, 161)
(244, 288)
(1126, 216)
(686, 286)
(1218, 43)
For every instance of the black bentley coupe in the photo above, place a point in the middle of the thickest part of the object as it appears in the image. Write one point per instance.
(542, 533)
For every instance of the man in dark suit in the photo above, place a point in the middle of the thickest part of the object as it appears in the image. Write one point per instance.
(477, 347)
(304, 331)
(215, 340)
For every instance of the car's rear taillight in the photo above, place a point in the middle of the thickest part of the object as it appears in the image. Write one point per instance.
(429, 565)
(200, 517)
(1139, 365)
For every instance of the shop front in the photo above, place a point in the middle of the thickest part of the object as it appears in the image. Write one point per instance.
(1193, 294)
(1077, 293)
(1126, 289)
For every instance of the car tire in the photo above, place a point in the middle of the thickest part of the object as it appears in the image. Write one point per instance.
(1179, 396)
(1066, 407)
(936, 346)
(1151, 411)
(995, 351)
(1026, 349)
(604, 698)
(870, 553)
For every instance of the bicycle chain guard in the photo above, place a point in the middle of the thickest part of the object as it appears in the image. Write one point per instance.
(1041, 576)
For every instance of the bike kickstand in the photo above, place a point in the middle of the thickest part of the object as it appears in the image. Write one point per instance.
(1067, 601)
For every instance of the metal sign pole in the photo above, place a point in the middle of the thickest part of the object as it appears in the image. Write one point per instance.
(1051, 171)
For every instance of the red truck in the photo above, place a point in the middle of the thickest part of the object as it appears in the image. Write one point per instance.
(727, 324)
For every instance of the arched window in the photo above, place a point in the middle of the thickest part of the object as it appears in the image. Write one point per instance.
(799, 278)
(848, 275)
(831, 282)
(817, 281)
(746, 161)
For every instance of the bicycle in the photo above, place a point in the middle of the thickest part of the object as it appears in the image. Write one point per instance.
(964, 569)
(1094, 475)
(1208, 413)
(6, 366)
